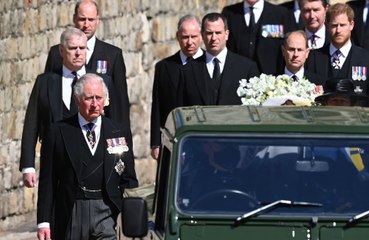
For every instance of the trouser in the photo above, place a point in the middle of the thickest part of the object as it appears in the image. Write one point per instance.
(91, 219)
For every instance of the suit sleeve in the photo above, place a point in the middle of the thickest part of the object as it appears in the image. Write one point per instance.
(120, 85)
(155, 111)
(129, 178)
(31, 130)
(47, 182)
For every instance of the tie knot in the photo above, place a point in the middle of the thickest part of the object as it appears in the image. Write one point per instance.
(189, 59)
(337, 53)
(294, 77)
(90, 126)
(215, 60)
(74, 74)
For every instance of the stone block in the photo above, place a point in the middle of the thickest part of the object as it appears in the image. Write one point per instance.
(14, 202)
(133, 63)
(146, 170)
(29, 203)
(164, 28)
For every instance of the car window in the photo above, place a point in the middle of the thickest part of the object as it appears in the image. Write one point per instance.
(235, 174)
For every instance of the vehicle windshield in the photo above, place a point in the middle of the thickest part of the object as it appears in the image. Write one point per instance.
(233, 175)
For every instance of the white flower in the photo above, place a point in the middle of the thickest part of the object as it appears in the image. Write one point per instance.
(257, 90)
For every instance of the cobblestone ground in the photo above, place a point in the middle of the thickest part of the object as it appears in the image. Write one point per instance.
(25, 231)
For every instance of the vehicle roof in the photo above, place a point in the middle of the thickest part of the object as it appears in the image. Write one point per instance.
(268, 119)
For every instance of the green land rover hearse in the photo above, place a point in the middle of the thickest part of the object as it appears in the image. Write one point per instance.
(260, 173)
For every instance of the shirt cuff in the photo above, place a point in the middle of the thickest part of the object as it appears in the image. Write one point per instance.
(28, 170)
(43, 225)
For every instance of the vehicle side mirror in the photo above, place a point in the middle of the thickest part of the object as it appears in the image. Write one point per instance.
(134, 217)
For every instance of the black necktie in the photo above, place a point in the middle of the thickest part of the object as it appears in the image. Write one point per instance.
(90, 134)
(216, 71)
(313, 41)
(73, 107)
(294, 77)
(252, 17)
(189, 59)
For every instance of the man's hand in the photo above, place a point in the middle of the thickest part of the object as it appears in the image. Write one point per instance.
(43, 234)
(29, 180)
(155, 152)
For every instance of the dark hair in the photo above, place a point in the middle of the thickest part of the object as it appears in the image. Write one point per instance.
(212, 17)
(325, 3)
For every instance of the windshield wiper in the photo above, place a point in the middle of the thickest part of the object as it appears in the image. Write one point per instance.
(352, 221)
(273, 205)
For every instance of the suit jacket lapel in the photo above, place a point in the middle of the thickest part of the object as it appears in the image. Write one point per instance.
(201, 77)
(92, 64)
(174, 72)
(73, 138)
(54, 91)
(108, 131)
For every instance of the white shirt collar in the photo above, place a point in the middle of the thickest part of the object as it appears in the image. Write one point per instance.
(299, 74)
(68, 73)
(258, 9)
(221, 56)
(320, 40)
(82, 121)
(90, 48)
(320, 33)
(183, 57)
(345, 49)
(97, 129)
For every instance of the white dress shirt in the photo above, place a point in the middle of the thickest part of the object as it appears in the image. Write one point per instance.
(221, 58)
(344, 52)
(67, 84)
(258, 10)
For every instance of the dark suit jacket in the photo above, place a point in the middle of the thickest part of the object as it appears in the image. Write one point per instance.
(115, 69)
(312, 77)
(164, 94)
(319, 62)
(45, 106)
(196, 80)
(61, 167)
(358, 33)
(290, 6)
(268, 54)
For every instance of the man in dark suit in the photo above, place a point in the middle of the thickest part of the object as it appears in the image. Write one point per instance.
(51, 101)
(101, 57)
(261, 37)
(295, 51)
(86, 163)
(341, 59)
(214, 78)
(313, 16)
(294, 8)
(165, 94)
(360, 34)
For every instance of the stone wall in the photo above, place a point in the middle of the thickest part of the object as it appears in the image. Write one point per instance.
(144, 29)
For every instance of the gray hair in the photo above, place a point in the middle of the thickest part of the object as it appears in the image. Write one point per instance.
(185, 18)
(78, 89)
(69, 33)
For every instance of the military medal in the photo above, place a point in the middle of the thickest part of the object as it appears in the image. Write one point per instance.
(102, 66)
